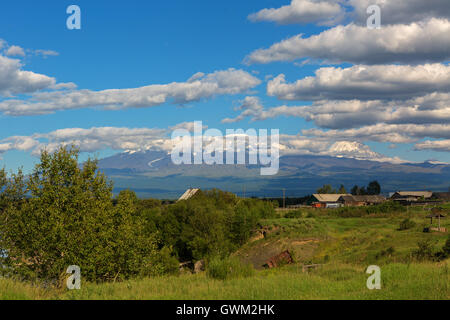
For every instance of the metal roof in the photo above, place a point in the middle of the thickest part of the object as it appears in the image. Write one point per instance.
(436, 215)
(367, 198)
(328, 197)
(425, 194)
(188, 194)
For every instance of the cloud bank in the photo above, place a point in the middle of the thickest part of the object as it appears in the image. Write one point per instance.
(142, 139)
(199, 86)
(413, 43)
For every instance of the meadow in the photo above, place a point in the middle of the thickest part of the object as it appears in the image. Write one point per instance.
(344, 247)
(335, 281)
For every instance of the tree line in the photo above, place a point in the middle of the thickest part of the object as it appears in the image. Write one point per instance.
(373, 188)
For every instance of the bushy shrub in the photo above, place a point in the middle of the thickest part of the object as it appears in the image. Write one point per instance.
(161, 263)
(442, 254)
(349, 212)
(310, 215)
(446, 248)
(294, 214)
(406, 224)
(228, 268)
(62, 215)
(383, 208)
(212, 223)
(425, 250)
(389, 252)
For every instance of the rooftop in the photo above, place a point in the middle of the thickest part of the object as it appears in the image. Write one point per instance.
(425, 194)
(188, 194)
(329, 197)
(367, 198)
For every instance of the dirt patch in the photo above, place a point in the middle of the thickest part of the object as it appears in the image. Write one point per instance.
(279, 260)
(303, 242)
(258, 253)
(263, 233)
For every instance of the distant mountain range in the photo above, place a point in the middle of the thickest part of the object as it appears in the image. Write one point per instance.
(152, 174)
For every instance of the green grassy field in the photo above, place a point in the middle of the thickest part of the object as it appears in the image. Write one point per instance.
(345, 247)
(360, 241)
(399, 281)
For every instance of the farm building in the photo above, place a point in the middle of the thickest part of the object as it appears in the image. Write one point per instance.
(327, 200)
(359, 201)
(443, 196)
(411, 196)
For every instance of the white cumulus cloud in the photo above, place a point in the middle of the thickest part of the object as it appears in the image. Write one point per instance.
(200, 86)
(401, 11)
(434, 145)
(381, 132)
(342, 114)
(417, 42)
(14, 80)
(141, 139)
(302, 12)
(365, 83)
(14, 51)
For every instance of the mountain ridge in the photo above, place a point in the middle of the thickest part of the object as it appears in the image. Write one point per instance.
(152, 174)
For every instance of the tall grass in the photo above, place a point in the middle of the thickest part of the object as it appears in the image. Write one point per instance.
(16, 290)
(228, 268)
(336, 281)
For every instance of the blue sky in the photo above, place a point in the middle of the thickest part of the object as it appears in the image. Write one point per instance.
(132, 44)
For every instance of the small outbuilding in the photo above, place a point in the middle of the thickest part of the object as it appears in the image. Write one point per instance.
(436, 214)
(411, 196)
(442, 196)
(327, 200)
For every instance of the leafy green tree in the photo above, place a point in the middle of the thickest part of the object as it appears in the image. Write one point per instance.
(342, 190)
(208, 234)
(135, 250)
(358, 191)
(244, 220)
(373, 188)
(407, 224)
(326, 189)
(213, 223)
(63, 215)
(64, 222)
